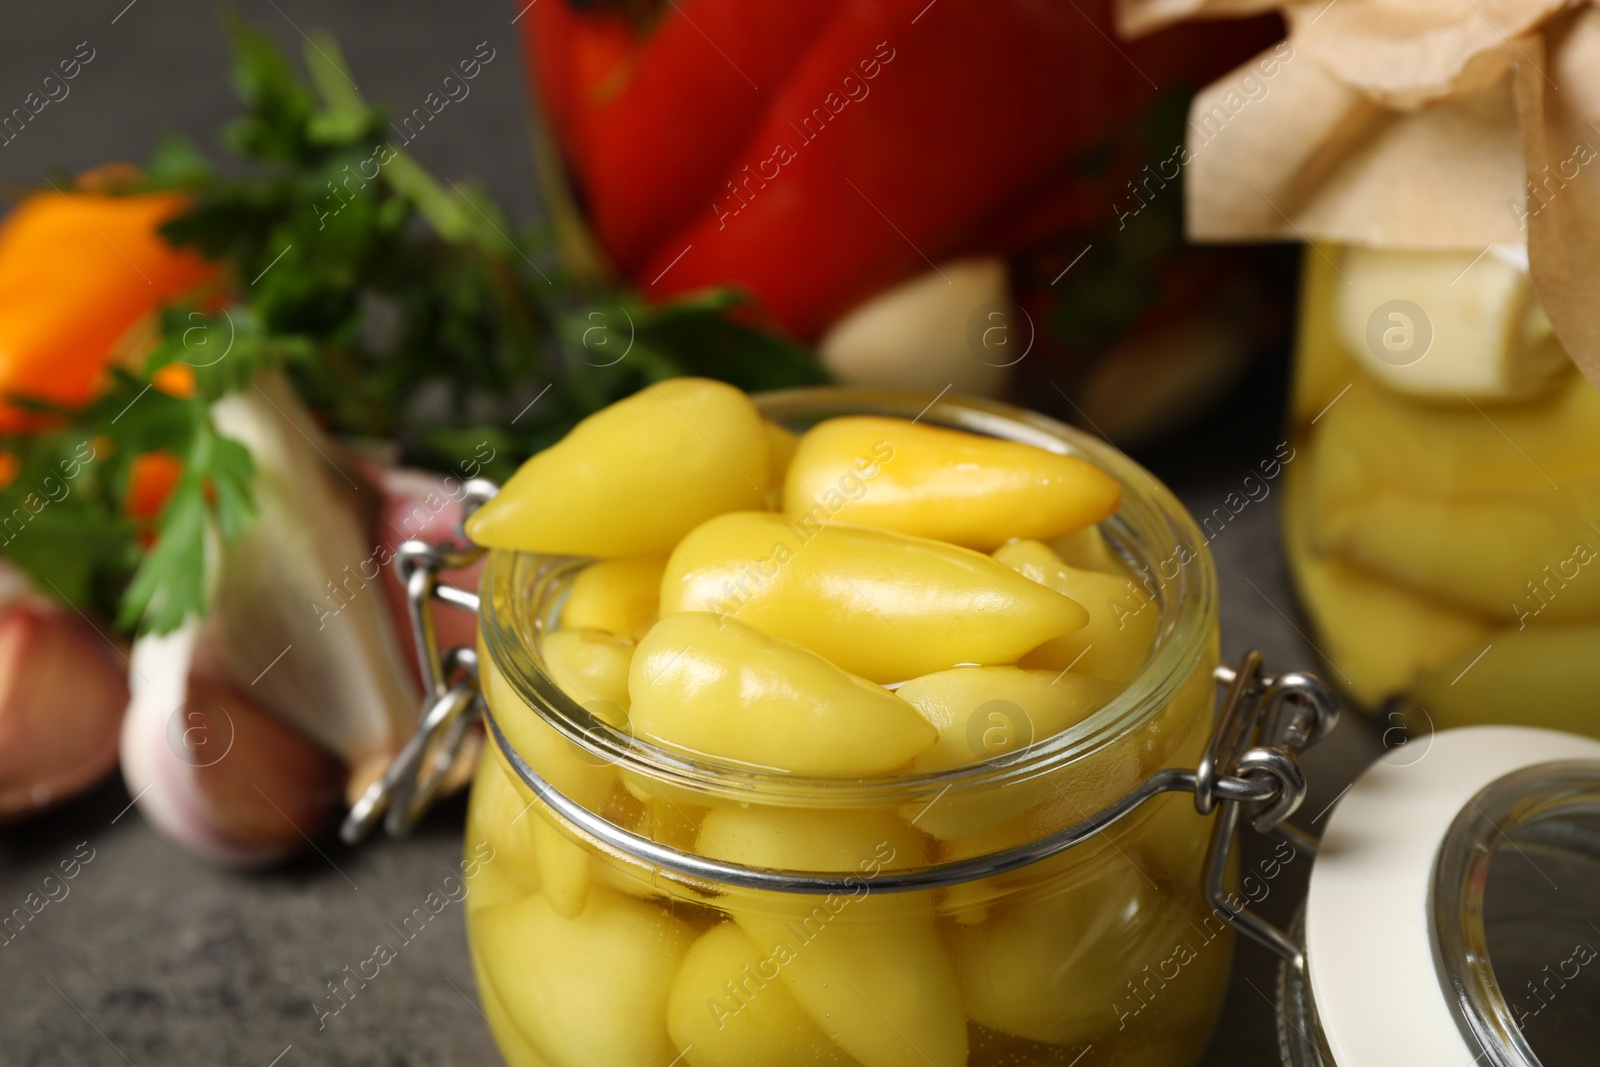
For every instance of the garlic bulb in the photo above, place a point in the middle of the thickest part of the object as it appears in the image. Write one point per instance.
(244, 723)
(298, 611)
(63, 689)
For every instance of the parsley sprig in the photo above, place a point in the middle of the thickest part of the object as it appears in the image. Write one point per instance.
(402, 309)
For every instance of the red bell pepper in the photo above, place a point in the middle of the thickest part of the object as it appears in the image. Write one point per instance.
(652, 123)
(813, 152)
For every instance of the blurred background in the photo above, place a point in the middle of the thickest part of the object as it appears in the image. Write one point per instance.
(155, 957)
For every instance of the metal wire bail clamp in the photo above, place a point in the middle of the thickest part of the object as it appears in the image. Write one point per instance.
(451, 694)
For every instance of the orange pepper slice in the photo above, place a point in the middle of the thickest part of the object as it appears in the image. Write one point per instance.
(77, 271)
(175, 379)
(150, 482)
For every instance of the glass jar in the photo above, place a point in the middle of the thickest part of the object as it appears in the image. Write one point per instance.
(1464, 933)
(1442, 516)
(1050, 901)
(589, 956)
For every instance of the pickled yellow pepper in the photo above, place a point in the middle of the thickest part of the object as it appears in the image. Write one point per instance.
(716, 686)
(880, 604)
(979, 492)
(634, 478)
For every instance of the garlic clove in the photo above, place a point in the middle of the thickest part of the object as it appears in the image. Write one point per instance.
(1447, 324)
(63, 688)
(950, 328)
(215, 771)
(284, 788)
(299, 614)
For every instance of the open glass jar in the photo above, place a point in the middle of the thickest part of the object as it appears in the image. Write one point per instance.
(1443, 519)
(1054, 902)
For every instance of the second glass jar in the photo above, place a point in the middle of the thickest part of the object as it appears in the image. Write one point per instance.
(1442, 515)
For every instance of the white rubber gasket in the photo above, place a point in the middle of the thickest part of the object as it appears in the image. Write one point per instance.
(1369, 949)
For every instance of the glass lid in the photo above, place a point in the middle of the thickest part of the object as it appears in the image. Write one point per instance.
(1453, 916)
(1517, 917)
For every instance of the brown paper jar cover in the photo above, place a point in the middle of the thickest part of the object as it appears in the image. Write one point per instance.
(1424, 124)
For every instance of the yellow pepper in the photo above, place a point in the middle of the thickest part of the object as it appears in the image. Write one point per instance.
(563, 863)
(1461, 508)
(1087, 550)
(869, 970)
(1055, 968)
(880, 604)
(591, 989)
(508, 1035)
(983, 712)
(882, 988)
(497, 818)
(718, 687)
(619, 596)
(1122, 616)
(536, 855)
(669, 822)
(975, 491)
(1551, 670)
(634, 478)
(563, 764)
(799, 839)
(674, 809)
(729, 1008)
(1380, 635)
(591, 666)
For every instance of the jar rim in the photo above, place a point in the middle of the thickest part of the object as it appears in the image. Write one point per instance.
(1152, 526)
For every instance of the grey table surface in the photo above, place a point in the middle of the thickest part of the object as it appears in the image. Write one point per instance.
(158, 959)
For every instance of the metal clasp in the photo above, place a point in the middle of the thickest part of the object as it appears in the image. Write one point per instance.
(451, 695)
(1250, 766)
(1262, 726)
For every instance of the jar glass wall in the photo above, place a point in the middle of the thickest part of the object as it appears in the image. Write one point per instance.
(1108, 951)
(1442, 514)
